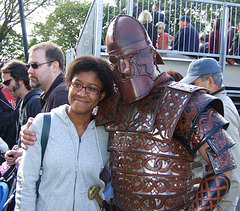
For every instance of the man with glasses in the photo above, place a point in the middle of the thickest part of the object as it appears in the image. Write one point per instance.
(45, 68)
(16, 82)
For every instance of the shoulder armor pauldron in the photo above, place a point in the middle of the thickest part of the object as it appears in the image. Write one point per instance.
(186, 87)
(187, 123)
(209, 128)
(219, 152)
(201, 123)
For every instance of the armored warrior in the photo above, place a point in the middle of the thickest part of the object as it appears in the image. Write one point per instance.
(158, 128)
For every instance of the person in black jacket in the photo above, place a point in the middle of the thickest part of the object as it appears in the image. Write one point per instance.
(9, 119)
(158, 16)
(145, 18)
(45, 68)
(235, 47)
(187, 38)
(16, 82)
(16, 73)
(136, 9)
(9, 108)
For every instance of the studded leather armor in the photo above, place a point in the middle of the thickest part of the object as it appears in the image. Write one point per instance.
(153, 143)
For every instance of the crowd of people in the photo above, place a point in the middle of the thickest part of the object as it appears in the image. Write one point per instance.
(187, 39)
(155, 139)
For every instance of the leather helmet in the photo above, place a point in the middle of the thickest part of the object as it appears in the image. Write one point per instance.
(131, 50)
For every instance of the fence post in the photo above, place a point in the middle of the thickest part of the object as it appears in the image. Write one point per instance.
(129, 7)
(24, 33)
(99, 22)
(224, 32)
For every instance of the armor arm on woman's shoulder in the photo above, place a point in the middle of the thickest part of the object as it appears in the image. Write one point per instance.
(215, 147)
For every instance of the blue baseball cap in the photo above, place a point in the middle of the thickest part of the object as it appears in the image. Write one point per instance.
(201, 67)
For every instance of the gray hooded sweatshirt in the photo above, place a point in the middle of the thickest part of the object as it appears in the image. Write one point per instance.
(71, 165)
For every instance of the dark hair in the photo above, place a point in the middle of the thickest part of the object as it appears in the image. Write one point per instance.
(18, 70)
(158, 6)
(52, 52)
(217, 24)
(94, 64)
(204, 37)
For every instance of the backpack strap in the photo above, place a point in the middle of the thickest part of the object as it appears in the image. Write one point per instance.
(44, 140)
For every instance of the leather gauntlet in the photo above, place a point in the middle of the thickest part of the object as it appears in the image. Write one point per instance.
(212, 189)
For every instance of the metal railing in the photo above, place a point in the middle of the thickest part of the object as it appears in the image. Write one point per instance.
(201, 13)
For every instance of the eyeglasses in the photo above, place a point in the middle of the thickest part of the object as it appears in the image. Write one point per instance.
(7, 82)
(90, 90)
(36, 65)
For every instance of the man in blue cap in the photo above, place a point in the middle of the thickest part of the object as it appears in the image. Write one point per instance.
(206, 72)
(187, 38)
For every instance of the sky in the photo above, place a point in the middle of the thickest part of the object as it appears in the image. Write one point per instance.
(40, 16)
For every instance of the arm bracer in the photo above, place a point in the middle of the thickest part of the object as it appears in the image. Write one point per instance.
(212, 189)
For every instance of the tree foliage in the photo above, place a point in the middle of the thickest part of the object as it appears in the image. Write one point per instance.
(63, 25)
(11, 42)
(9, 14)
(11, 47)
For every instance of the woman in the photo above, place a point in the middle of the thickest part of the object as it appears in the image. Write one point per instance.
(76, 152)
(214, 37)
(145, 18)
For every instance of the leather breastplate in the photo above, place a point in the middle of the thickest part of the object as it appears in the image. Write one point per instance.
(150, 169)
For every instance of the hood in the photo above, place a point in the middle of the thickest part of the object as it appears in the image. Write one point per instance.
(61, 113)
(33, 92)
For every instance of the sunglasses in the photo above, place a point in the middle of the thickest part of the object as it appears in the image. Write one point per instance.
(7, 82)
(36, 65)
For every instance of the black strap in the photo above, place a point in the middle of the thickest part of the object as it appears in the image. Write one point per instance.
(44, 140)
(45, 133)
(214, 93)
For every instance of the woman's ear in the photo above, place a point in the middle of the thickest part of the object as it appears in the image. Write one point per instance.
(103, 94)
